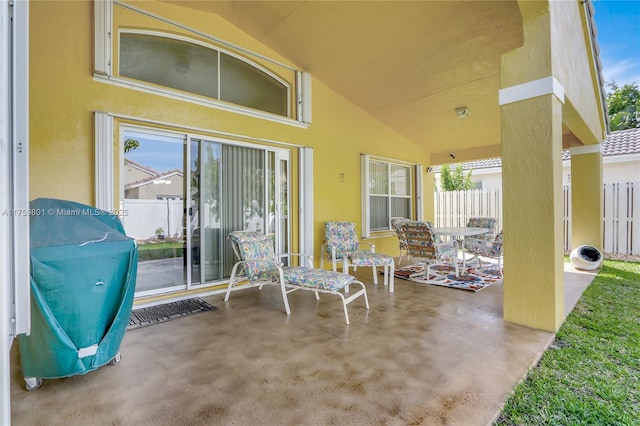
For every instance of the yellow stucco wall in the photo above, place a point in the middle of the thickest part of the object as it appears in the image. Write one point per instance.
(64, 95)
(574, 69)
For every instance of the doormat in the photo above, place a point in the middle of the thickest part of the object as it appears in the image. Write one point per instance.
(166, 312)
(472, 279)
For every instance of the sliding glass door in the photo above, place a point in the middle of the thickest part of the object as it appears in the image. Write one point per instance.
(198, 190)
(154, 205)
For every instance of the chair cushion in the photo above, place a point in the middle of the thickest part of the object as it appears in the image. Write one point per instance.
(325, 280)
(291, 274)
(483, 222)
(341, 236)
(257, 250)
(308, 277)
(366, 258)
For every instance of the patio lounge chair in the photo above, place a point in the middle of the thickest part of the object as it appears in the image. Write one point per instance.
(487, 248)
(261, 266)
(426, 249)
(342, 245)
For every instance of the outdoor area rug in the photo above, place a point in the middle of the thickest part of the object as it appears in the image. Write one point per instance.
(472, 279)
(166, 312)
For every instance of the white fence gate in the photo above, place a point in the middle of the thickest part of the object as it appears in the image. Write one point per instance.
(454, 208)
(622, 218)
(621, 213)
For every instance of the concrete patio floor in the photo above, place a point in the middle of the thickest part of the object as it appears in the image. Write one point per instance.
(425, 355)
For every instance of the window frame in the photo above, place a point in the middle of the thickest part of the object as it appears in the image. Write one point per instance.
(415, 189)
(218, 51)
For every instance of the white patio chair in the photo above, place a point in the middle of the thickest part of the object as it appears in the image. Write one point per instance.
(262, 266)
(342, 245)
(491, 248)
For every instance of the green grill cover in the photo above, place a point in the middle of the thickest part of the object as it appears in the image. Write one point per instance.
(83, 274)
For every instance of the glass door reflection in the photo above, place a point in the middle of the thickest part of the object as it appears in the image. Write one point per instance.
(154, 205)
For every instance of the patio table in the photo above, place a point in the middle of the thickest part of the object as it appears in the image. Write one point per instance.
(459, 232)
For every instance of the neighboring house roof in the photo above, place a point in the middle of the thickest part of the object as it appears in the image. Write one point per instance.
(139, 166)
(154, 178)
(621, 142)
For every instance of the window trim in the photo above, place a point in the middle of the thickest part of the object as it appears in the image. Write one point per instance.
(416, 186)
(109, 189)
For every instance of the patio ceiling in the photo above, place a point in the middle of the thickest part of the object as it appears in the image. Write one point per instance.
(410, 64)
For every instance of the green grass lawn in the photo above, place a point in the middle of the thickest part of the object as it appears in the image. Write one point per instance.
(161, 245)
(590, 375)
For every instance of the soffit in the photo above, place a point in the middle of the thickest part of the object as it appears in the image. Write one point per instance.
(410, 64)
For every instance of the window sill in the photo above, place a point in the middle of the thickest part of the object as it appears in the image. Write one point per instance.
(129, 84)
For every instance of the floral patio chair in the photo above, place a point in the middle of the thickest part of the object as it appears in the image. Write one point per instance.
(342, 245)
(486, 248)
(483, 222)
(261, 266)
(402, 240)
(425, 249)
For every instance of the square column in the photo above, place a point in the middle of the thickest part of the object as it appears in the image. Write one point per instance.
(532, 204)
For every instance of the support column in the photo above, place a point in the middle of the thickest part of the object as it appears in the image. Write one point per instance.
(586, 201)
(531, 119)
(532, 205)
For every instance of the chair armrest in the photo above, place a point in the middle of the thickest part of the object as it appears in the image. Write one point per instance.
(477, 243)
(372, 247)
(453, 244)
(446, 251)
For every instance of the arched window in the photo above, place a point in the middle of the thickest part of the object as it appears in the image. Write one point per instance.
(197, 68)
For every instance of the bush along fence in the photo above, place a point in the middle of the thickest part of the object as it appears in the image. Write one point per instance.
(621, 202)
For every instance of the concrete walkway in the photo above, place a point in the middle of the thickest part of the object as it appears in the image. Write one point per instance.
(425, 355)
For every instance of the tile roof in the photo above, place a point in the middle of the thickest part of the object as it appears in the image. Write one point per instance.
(150, 179)
(620, 142)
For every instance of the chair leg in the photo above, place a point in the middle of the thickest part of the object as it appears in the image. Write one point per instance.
(345, 269)
(391, 278)
(375, 274)
(385, 269)
(346, 301)
(231, 281)
(346, 312)
(285, 298)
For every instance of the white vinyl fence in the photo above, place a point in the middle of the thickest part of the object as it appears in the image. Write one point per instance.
(142, 217)
(621, 213)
